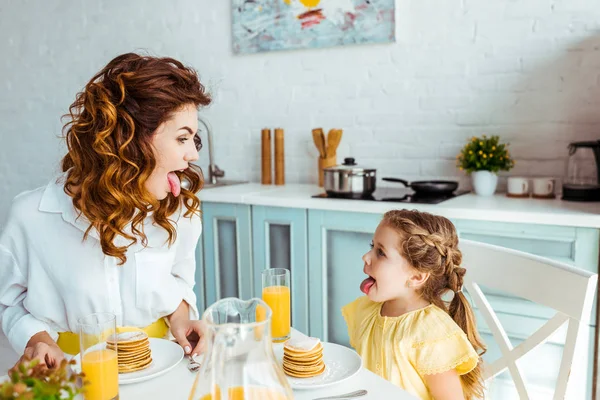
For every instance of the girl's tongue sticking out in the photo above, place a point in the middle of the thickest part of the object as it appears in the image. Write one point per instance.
(365, 286)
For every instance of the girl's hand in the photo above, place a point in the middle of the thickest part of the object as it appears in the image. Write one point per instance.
(189, 334)
(41, 347)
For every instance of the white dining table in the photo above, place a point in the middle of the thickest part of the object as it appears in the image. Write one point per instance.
(176, 384)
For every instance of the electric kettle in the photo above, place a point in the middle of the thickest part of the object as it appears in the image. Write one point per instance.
(582, 181)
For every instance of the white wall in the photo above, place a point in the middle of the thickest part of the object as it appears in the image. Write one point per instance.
(527, 70)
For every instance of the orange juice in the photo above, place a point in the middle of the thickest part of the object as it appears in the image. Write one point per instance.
(278, 298)
(249, 393)
(102, 372)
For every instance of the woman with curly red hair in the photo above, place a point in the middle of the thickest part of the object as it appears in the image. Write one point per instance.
(117, 231)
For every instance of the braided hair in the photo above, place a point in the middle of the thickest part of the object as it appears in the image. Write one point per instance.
(430, 243)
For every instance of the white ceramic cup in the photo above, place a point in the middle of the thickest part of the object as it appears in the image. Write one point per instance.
(518, 186)
(543, 186)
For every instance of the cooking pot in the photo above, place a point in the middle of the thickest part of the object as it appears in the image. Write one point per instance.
(349, 180)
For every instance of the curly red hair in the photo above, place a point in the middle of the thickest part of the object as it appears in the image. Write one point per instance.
(110, 154)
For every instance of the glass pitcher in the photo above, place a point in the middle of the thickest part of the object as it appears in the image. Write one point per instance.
(239, 363)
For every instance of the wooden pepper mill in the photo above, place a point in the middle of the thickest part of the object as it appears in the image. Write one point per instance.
(266, 169)
(279, 157)
(266, 163)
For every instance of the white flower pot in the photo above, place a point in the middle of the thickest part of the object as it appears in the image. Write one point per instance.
(484, 182)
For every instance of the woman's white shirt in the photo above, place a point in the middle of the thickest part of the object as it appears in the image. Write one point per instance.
(50, 276)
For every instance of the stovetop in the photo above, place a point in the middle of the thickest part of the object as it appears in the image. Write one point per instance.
(400, 195)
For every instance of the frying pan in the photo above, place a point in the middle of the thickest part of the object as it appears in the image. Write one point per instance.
(427, 188)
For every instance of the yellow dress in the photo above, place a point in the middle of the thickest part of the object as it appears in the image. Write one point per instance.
(403, 349)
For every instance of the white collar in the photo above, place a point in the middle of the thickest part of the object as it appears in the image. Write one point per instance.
(55, 200)
(54, 197)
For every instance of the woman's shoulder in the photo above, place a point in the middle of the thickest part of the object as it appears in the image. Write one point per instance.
(24, 203)
(190, 221)
(29, 206)
(23, 214)
(431, 324)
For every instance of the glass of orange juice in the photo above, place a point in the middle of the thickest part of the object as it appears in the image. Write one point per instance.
(98, 362)
(276, 293)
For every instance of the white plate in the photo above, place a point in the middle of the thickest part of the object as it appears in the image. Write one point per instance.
(165, 356)
(341, 363)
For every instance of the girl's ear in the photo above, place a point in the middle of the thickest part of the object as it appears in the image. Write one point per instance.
(417, 279)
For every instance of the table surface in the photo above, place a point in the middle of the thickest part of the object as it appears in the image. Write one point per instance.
(177, 383)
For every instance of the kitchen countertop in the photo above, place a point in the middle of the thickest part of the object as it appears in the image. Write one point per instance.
(468, 206)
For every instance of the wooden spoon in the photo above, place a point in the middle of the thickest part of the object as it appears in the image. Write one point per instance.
(333, 141)
(319, 140)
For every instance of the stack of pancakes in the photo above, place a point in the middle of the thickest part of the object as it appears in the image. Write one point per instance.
(301, 362)
(133, 351)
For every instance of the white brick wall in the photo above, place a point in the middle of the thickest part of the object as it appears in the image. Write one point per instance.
(527, 70)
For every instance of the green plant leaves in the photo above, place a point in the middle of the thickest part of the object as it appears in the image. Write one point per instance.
(485, 154)
(31, 380)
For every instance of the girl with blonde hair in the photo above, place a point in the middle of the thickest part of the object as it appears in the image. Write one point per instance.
(403, 328)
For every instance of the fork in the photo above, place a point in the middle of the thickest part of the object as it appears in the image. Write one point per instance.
(358, 393)
(193, 365)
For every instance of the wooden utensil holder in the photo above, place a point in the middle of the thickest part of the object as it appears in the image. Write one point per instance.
(324, 163)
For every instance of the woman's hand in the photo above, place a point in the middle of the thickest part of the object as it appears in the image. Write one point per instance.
(189, 334)
(41, 347)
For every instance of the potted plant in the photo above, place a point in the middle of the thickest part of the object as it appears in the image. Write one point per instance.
(31, 380)
(482, 158)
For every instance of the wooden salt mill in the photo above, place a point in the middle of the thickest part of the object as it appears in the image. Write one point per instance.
(279, 157)
(266, 170)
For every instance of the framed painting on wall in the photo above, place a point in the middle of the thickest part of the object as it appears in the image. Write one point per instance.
(269, 25)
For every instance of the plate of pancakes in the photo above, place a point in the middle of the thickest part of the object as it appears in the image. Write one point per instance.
(141, 358)
(318, 364)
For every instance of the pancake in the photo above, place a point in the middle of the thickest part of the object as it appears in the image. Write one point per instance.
(303, 359)
(133, 350)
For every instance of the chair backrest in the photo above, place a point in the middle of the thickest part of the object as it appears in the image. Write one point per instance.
(568, 290)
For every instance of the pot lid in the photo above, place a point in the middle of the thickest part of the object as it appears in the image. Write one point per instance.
(349, 165)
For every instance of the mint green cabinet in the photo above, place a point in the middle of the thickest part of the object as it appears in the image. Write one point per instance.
(336, 242)
(227, 251)
(279, 237)
(239, 241)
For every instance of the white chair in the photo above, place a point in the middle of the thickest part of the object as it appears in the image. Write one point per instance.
(568, 290)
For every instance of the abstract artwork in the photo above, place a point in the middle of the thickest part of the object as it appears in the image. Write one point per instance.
(268, 25)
